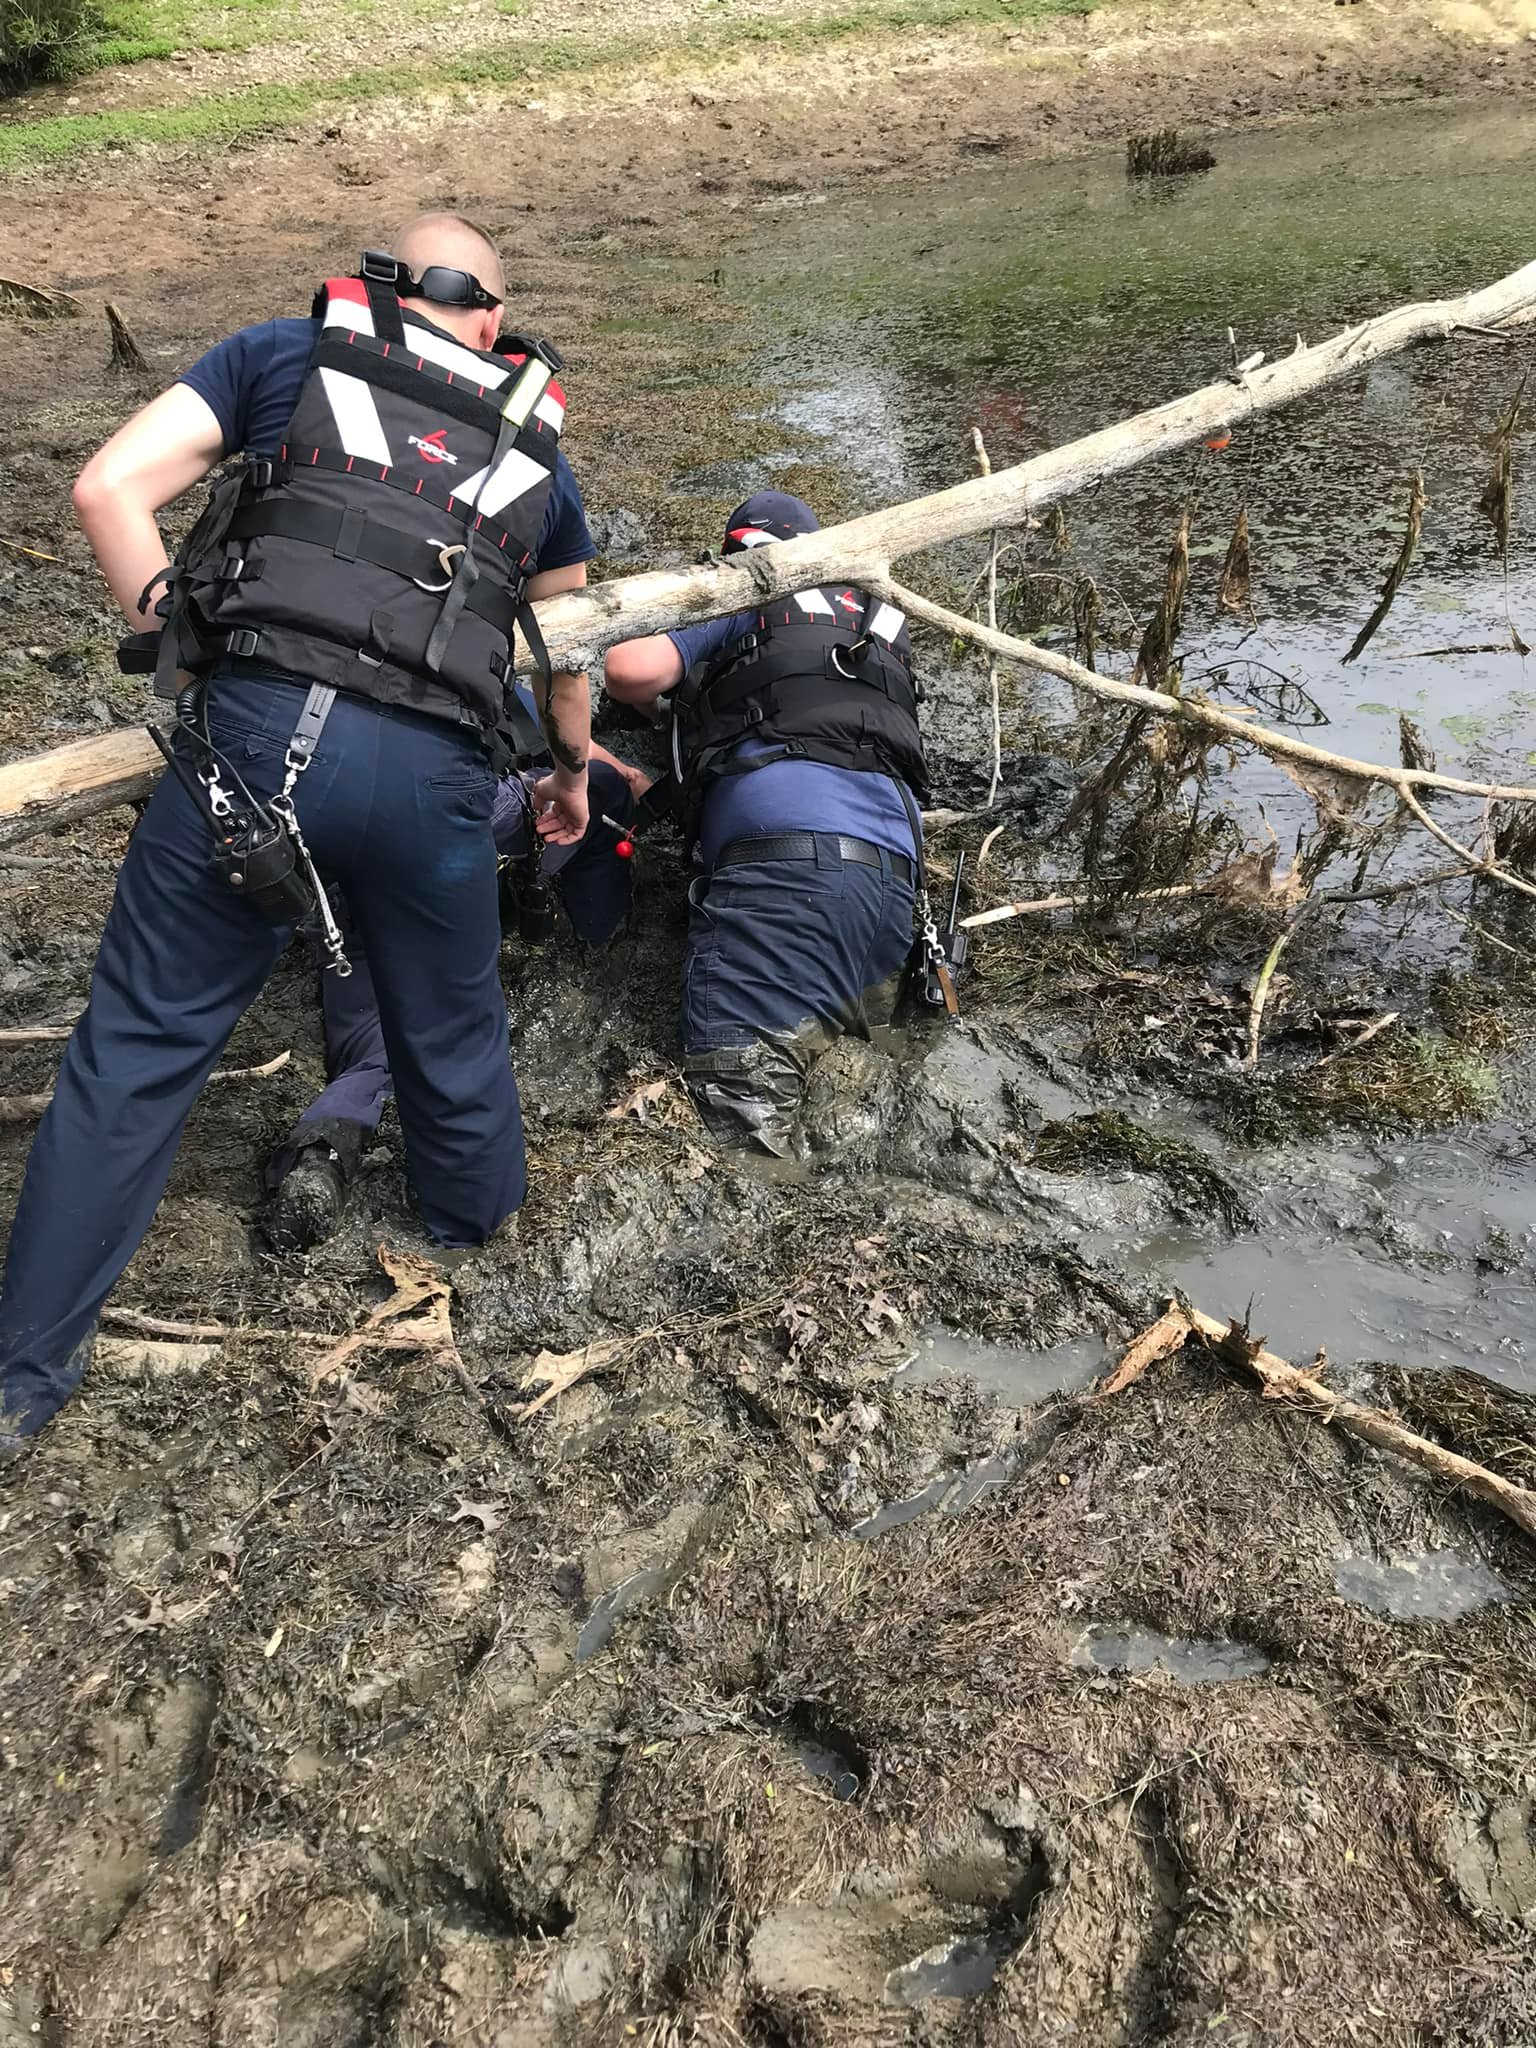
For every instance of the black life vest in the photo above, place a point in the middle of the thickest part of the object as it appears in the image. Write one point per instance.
(386, 548)
(824, 676)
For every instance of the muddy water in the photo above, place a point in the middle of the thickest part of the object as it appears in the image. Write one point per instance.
(1127, 1648)
(1433, 1585)
(1048, 302)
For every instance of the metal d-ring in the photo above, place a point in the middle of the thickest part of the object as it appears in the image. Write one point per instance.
(445, 555)
(848, 675)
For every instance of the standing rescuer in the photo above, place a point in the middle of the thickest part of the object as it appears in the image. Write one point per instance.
(798, 770)
(337, 633)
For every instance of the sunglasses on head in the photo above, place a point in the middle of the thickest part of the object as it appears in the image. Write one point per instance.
(438, 283)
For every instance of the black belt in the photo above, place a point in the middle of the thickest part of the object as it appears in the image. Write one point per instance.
(437, 706)
(863, 853)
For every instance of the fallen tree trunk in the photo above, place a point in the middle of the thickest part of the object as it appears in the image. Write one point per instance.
(76, 781)
(92, 775)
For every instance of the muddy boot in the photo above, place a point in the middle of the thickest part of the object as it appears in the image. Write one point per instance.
(27, 1408)
(309, 1181)
(748, 1095)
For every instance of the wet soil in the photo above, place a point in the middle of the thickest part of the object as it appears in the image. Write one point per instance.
(738, 1696)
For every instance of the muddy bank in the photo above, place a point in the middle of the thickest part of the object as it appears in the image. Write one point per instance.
(362, 1714)
(803, 1673)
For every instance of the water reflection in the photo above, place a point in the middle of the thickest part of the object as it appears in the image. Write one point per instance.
(1048, 302)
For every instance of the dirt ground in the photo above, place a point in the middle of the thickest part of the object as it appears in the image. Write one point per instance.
(368, 1712)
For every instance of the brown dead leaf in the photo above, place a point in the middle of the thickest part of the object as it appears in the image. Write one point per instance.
(158, 1615)
(418, 1285)
(695, 1163)
(1157, 1341)
(880, 1309)
(563, 1369)
(642, 1100)
(479, 1511)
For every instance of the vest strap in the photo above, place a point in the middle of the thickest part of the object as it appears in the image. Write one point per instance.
(384, 305)
(297, 460)
(352, 537)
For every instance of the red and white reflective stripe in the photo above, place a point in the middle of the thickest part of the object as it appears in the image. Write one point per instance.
(814, 604)
(551, 408)
(516, 475)
(358, 426)
(346, 305)
(451, 355)
(752, 537)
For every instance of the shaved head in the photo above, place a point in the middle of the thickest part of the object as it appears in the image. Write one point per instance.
(449, 239)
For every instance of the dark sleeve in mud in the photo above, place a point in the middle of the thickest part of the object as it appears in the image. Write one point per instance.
(564, 538)
(251, 382)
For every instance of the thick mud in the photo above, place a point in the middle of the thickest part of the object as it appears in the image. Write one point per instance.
(826, 1666)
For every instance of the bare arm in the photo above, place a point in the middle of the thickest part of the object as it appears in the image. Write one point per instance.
(564, 702)
(639, 671)
(160, 453)
(565, 712)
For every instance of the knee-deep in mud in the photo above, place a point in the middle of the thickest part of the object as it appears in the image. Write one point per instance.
(826, 1665)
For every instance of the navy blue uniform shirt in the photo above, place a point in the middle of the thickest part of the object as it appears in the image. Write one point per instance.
(252, 382)
(789, 796)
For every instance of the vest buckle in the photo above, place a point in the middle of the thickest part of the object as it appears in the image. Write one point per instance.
(260, 474)
(242, 645)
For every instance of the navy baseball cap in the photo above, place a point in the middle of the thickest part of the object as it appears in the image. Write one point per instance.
(768, 516)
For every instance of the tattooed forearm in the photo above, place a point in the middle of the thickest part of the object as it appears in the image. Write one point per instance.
(568, 756)
(565, 712)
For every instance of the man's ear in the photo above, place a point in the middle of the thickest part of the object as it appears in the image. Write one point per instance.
(490, 327)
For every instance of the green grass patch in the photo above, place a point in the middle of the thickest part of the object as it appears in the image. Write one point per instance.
(155, 28)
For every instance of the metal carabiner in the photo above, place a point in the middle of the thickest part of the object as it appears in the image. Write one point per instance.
(445, 555)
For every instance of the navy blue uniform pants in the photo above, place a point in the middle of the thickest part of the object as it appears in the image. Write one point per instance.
(398, 809)
(592, 882)
(784, 956)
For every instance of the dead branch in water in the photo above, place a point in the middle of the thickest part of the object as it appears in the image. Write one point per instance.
(1281, 1381)
(1498, 500)
(1158, 641)
(1198, 712)
(1417, 504)
(985, 462)
(1237, 571)
(1372, 1030)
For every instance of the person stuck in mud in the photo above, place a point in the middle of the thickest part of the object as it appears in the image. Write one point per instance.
(311, 1171)
(337, 634)
(798, 770)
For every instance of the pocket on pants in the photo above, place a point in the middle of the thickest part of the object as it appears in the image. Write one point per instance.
(470, 772)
